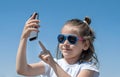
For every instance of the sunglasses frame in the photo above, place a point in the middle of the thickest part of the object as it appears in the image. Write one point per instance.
(66, 36)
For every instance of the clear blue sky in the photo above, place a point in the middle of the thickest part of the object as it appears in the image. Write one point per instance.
(105, 15)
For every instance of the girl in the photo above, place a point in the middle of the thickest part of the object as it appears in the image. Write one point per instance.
(77, 57)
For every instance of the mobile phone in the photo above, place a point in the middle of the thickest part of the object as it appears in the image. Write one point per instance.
(33, 34)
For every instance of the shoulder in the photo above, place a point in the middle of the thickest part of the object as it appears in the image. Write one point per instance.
(90, 66)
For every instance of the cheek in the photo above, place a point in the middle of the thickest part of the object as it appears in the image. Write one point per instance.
(77, 50)
(78, 47)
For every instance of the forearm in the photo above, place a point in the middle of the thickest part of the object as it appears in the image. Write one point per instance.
(59, 71)
(21, 62)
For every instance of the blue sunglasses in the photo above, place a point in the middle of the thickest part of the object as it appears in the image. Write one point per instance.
(72, 39)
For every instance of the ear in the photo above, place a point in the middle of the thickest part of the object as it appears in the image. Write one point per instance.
(86, 45)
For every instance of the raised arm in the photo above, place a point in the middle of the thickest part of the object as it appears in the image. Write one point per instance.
(21, 62)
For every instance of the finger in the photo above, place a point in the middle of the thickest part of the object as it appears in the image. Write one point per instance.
(42, 46)
(44, 57)
(32, 29)
(33, 21)
(32, 25)
(27, 31)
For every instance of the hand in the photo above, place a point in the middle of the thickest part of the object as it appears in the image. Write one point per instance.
(32, 24)
(45, 55)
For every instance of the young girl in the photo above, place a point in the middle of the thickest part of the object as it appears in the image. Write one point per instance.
(77, 59)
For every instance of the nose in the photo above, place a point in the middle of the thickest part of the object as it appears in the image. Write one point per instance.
(66, 42)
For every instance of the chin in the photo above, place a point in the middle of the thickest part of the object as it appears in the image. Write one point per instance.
(67, 55)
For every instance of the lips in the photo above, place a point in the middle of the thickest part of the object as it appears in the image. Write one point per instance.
(66, 50)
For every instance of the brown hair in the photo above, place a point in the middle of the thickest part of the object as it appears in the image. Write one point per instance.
(88, 34)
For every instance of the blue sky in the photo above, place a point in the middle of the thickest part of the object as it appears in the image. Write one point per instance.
(105, 15)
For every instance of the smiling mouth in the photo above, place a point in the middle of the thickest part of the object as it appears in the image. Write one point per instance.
(66, 49)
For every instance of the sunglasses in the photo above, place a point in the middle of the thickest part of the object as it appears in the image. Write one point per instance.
(72, 39)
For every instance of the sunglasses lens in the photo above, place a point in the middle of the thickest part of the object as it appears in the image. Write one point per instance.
(72, 39)
(61, 38)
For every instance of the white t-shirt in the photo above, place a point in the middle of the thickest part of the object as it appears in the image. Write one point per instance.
(72, 70)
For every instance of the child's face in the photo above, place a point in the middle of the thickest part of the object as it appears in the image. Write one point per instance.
(71, 50)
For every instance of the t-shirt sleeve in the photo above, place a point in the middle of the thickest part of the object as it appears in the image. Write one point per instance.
(47, 68)
(90, 66)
